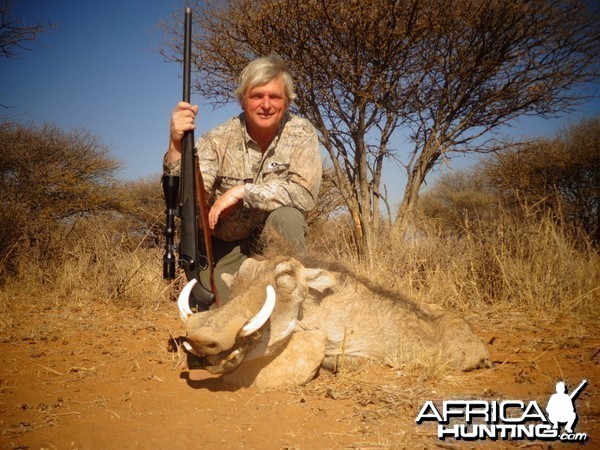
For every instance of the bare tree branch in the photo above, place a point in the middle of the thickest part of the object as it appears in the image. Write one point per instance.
(14, 34)
(445, 73)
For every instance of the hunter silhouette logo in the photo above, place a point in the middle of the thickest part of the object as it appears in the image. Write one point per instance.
(561, 408)
(507, 419)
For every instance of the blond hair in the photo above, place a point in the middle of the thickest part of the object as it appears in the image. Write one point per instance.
(263, 70)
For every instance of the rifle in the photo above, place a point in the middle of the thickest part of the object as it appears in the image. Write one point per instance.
(190, 191)
(573, 394)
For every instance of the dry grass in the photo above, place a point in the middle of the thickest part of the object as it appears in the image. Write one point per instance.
(95, 262)
(535, 266)
(532, 265)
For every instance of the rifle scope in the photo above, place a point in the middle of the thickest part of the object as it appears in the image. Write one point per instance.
(170, 184)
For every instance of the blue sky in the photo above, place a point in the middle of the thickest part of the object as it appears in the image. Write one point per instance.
(100, 69)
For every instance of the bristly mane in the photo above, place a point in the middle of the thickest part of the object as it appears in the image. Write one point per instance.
(279, 250)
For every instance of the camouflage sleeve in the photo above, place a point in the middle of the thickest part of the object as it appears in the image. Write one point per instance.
(173, 168)
(207, 159)
(298, 189)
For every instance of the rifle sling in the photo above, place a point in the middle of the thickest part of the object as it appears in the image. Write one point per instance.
(203, 224)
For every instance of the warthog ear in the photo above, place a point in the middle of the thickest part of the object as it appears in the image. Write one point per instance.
(318, 279)
(285, 275)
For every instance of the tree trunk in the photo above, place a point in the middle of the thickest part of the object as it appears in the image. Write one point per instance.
(416, 177)
(407, 207)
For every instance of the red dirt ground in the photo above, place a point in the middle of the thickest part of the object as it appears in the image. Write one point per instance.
(81, 378)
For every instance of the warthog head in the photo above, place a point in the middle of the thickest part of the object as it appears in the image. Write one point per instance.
(261, 315)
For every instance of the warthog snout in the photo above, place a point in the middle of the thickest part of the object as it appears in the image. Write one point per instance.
(204, 345)
(222, 336)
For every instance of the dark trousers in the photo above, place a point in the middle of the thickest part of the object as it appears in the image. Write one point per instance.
(288, 222)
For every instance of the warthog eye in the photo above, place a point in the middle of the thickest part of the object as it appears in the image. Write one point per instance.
(212, 345)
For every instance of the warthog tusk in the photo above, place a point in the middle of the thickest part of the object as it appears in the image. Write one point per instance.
(232, 356)
(183, 301)
(263, 315)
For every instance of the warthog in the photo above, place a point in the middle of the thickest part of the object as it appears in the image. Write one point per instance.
(285, 320)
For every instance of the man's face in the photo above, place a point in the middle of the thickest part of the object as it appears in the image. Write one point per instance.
(265, 106)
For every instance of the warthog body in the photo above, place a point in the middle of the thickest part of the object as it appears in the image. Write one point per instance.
(322, 318)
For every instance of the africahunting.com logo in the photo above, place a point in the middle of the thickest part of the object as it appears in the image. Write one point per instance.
(508, 419)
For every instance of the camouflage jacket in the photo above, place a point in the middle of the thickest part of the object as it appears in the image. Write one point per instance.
(288, 173)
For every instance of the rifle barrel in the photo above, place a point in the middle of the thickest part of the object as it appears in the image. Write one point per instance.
(187, 54)
(576, 391)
